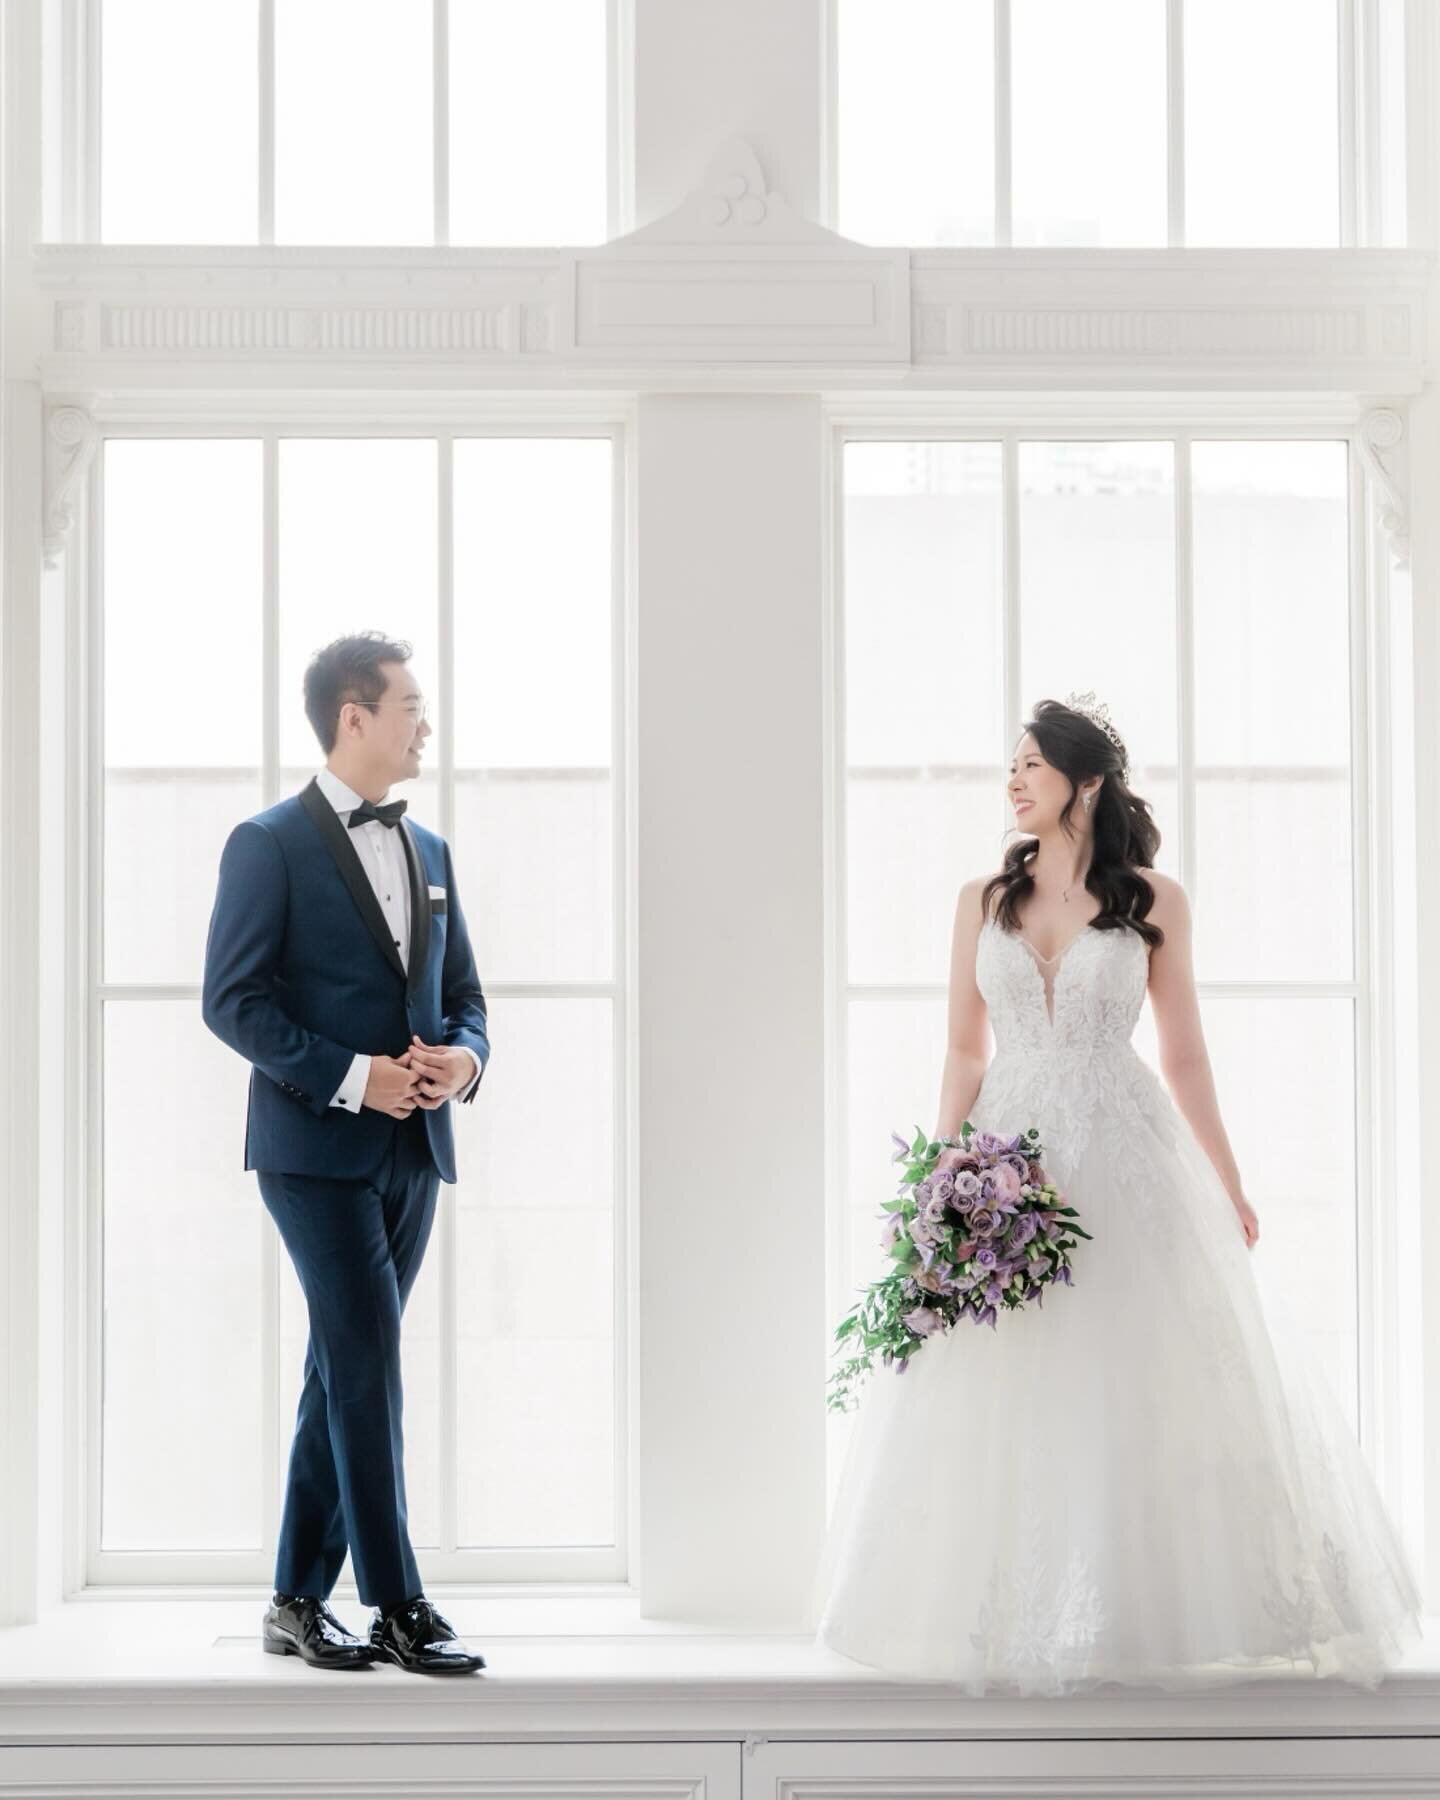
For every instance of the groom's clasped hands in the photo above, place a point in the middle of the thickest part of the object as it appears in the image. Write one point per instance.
(424, 1075)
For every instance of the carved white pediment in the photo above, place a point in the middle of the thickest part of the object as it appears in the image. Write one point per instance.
(733, 204)
(735, 275)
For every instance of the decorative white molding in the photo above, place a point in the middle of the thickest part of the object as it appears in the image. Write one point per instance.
(71, 436)
(732, 279)
(732, 205)
(235, 1706)
(465, 1771)
(1385, 451)
(1180, 1769)
(1221, 318)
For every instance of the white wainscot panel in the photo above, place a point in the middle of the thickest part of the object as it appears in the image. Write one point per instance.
(1154, 1769)
(395, 1771)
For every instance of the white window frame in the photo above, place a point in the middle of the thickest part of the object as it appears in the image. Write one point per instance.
(87, 1565)
(1388, 1300)
(79, 27)
(1361, 100)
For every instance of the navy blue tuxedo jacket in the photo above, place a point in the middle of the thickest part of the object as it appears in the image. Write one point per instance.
(301, 972)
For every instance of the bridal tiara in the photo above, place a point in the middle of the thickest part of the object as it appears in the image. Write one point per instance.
(1099, 714)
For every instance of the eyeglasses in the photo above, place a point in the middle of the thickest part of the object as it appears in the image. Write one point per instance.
(417, 709)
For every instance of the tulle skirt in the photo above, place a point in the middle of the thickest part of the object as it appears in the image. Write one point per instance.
(1142, 1480)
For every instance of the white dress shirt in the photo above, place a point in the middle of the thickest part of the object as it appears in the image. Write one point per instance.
(382, 856)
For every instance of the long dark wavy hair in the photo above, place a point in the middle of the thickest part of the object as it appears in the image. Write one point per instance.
(1126, 835)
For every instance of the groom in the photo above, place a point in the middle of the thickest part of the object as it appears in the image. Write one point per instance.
(339, 966)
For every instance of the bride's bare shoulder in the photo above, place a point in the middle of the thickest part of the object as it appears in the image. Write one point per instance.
(1172, 908)
(971, 903)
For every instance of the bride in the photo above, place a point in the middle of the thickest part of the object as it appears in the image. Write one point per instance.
(1141, 1480)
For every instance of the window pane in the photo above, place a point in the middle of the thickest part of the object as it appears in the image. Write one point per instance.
(354, 142)
(1262, 128)
(895, 1057)
(535, 1282)
(1272, 757)
(922, 582)
(182, 675)
(181, 1277)
(179, 87)
(528, 122)
(533, 626)
(1097, 570)
(1088, 121)
(916, 121)
(1292, 1062)
(357, 553)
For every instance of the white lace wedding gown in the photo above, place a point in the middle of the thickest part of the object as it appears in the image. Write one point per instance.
(1141, 1481)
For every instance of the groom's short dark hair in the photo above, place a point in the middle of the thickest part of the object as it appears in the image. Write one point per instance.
(348, 669)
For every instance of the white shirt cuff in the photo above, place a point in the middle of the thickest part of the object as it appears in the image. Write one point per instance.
(479, 1069)
(350, 1095)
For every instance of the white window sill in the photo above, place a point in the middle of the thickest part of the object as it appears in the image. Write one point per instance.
(562, 1667)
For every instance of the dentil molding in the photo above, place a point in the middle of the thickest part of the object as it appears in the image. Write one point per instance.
(733, 280)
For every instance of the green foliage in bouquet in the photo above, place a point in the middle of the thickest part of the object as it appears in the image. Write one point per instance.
(985, 1232)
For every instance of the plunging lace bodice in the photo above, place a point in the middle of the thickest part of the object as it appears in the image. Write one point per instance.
(1063, 1050)
(1095, 988)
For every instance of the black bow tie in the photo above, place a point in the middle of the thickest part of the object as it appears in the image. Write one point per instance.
(389, 814)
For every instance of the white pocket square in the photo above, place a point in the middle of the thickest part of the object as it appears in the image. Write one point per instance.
(437, 893)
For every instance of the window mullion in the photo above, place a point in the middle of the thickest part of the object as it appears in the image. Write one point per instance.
(1375, 1176)
(448, 1349)
(271, 1424)
(1349, 64)
(1185, 798)
(1010, 601)
(266, 133)
(1175, 122)
(440, 117)
(1004, 209)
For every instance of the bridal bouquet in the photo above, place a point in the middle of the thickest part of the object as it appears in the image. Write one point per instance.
(976, 1227)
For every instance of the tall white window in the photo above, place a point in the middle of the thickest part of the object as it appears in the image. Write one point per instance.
(354, 122)
(1254, 622)
(226, 564)
(1075, 123)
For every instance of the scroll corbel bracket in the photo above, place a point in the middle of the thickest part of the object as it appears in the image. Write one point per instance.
(71, 438)
(1385, 453)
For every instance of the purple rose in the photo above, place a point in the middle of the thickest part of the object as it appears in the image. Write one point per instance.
(983, 1221)
(986, 1258)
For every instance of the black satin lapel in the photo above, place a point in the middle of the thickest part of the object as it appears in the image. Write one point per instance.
(347, 859)
(419, 907)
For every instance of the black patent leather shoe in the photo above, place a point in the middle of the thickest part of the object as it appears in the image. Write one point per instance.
(301, 1625)
(417, 1637)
